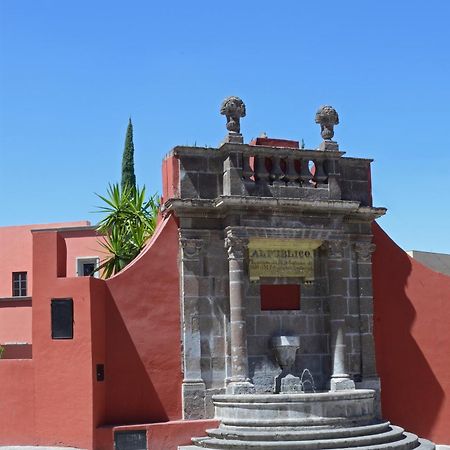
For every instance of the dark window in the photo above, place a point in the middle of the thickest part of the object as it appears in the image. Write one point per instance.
(88, 269)
(19, 284)
(280, 297)
(62, 318)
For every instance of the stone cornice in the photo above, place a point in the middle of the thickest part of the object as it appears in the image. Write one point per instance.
(223, 205)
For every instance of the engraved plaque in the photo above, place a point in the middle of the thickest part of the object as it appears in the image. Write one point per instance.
(130, 440)
(282, 258)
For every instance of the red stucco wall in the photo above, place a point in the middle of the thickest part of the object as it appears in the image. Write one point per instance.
(16, 247)
(63, 377)
(17, 409)
(143, 360)
(412, 338)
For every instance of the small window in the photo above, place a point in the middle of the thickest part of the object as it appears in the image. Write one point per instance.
(86, 266)
(19, 284)
(62, 318)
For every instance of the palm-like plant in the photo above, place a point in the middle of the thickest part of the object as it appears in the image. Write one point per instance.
(129, 222)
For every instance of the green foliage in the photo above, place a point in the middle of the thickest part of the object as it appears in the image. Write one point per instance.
(129, 222)
(2, 349)
(128, 176)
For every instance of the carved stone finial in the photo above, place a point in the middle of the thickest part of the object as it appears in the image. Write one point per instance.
(327, 117)
(233, 108)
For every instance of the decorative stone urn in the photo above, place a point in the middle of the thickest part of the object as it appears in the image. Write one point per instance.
(285, 349)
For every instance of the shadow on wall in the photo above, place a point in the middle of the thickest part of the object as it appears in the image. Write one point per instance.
(131, 398)
(409, 310)
(143, 370)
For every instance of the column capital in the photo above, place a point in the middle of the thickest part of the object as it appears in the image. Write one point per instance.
(336, 248)
(364, 250)
(235, 246)
(191, 247)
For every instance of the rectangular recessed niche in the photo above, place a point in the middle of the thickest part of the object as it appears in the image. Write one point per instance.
(130, 440)
(62, 318)
(100, 372)
(276, 297)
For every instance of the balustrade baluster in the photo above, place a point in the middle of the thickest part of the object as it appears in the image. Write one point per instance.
(247, 171)
(261, 173)
(305, 173)
(291, 175)
(320, 177)
(276, 174)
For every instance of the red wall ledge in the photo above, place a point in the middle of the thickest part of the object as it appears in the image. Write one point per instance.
(14, 302)
(160, 436)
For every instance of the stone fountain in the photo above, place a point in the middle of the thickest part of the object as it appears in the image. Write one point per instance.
(275, 251)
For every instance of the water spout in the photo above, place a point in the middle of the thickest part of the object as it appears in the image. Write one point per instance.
(310, 381)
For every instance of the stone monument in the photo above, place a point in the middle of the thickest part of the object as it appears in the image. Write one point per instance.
(276, 247)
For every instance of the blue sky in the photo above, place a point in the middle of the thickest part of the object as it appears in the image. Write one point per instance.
(72, 72)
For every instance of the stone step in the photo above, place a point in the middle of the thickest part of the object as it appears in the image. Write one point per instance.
(394, 439)
(425, 445)
(224, 432)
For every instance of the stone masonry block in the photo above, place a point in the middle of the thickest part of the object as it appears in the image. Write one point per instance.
(354, 363)
(193, 163)
(311, 305)
(366, 319)
(258, 345)
(196, 286)
(366, 305)
(208, 185)
(251, 325)
(268, 325)
(193, 401)
(253, 305)
(189, 185)
(352, 287)
(365, 270)
(314, 344)
(365, 287)
(215, 165)
(294, 324)
(352, 305)
(352, 323)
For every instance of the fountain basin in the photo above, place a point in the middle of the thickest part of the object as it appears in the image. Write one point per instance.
(340, 408)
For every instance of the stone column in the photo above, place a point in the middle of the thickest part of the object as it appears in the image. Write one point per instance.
(363, 251)
(239, 382)
(340, 379)
(193, 387)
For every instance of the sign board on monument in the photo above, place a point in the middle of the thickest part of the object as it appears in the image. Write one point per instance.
(282, 258)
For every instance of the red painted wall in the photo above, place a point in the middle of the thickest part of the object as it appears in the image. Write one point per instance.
(412, 339)
(170, 177)
(16, 244)
(143, 363)
(15, 322)
(63, 378)
(17, 409)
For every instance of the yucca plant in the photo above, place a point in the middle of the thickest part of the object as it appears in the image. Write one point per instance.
(129, 222)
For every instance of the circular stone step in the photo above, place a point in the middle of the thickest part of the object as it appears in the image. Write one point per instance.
(250, 434)
(394, 439)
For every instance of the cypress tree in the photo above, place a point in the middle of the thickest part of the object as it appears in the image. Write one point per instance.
(128, 176)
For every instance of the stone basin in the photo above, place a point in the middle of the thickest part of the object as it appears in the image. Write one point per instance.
(294, 410)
